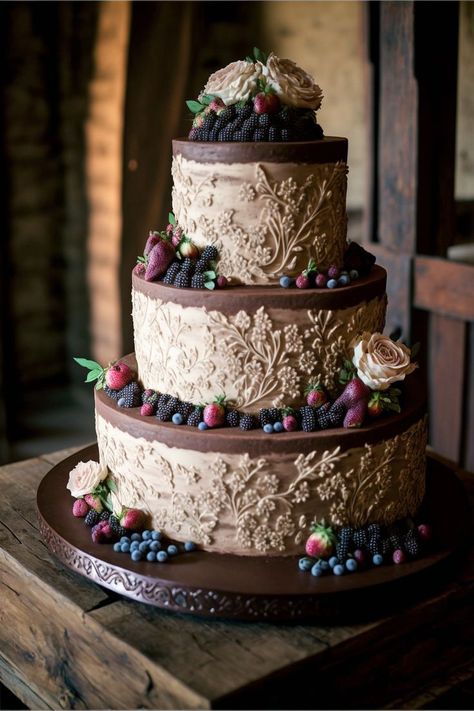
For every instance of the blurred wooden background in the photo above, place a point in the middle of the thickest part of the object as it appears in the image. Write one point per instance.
(91, 95)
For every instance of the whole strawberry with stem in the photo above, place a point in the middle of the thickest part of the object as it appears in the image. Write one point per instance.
(94, 502)
(321, 542)
(355, 415)
(266, 102)
(315, 395)
(153, 238)
(132, 519)
(159, 259)
(214, 413)
(354, 391)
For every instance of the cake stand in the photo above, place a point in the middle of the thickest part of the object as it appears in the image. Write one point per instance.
(269, 589)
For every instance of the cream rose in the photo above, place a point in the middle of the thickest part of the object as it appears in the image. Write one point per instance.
(235, 82)
(292, 84)
(380, 361)
(85, 476)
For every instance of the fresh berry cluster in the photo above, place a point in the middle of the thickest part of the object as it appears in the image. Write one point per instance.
(151, 546)
(171, 257)
(357, 263)
(262, 118)
(352, 549)
(105, 526)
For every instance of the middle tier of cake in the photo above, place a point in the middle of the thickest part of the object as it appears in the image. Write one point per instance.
(259, 346)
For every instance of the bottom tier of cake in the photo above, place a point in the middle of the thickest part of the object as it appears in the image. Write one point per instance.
(250, 493)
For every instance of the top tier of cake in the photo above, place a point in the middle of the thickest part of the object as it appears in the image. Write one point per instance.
(268, 207)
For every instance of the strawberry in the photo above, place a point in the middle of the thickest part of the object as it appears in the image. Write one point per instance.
(139, 269)
(290, 423)
(321, 542)
(188, 249)
(94, 502)
(214, 413)
(272, 103)
(354, 391)
(424, 531)
(375, 405)
(118, 375)
(177, 235)
(80, 508)
(147, 409)
(159, 259)
(260, 103)
(153, 239)
(355, 415)
(133, 519)
(315, 395)
(217, 104)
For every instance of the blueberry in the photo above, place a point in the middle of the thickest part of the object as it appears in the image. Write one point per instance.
(156, 535)
(125, 547)
(172, 550)
(305, 564)
(338, 569)
(155, 546)
(354, 274)
(316, 570)
(177, 418)
(125, 539)
(189, 546)
(136, 555)
(351, 565)
(285, 282)
(146, 535)
(333, 561)
(143, 546)
(134, 545)
(135, 537)
(117, 548)
(323, 564)
(202, 426)
(162, 556)
(121, 402)
(278, 427)
(344, 280)
(377, 559)
(151, 556)
(332, 283)
(268, 428)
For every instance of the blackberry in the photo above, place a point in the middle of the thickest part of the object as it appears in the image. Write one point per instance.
(264, 120)
(209, 121)
(386, 547)
(260, 134)
(130, 395)
(323, 417)
(246, 135)
(275, 414)
(251, 123)
(162, 407)
(374, 530)
(244, 111)
(197, 282)
(218, 126)
(104, 516)
(232, 418)
(226, 134)
(195, 417)
(201, 266)
(346, 533)
(183, 280)
(172, 272)
(342, 550)
(274, 133)
(212, 135)
(395, 542)
(359, 537)
(92, 518)
(238, 136)
(226, 115)
(171, 407)
(374, 545)
(117, 529)
(337, 412)
(411, 543)
(247, 422)
(286, 134)
(187, 264)
(308, 419)
(185, 409)
(264, 417)
(209, 253)
(114, 394)
(284, 117)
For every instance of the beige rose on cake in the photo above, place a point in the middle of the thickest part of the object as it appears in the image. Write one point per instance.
(292, 84)
(85, 477)
(380, 361)
(235, 82)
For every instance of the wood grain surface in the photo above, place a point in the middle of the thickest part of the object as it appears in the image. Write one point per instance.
(66, 643)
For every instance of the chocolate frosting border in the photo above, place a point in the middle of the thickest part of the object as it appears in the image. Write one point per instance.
(233, 299)
(329, 149)
(231, 440)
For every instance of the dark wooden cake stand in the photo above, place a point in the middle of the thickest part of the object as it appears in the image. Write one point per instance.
(261, 589)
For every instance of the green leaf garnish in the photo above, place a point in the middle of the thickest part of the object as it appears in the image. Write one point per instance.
(194, 106)
(93, 375)
(206, 99)
(171, 218)
(210, 285)
(259, 55)
(89, 364)
(209, 275)
(111, 485)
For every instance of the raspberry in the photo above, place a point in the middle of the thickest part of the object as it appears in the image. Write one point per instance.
(195, 417)
(197, 282)
(183, 280)
(337, 413)
(129, 396)
(247, 422)
(232, 418)
(308, 419)
(92, 518)
(172, 272)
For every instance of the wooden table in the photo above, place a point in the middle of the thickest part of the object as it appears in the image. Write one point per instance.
(67, 643)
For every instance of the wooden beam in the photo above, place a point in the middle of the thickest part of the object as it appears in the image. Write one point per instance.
(445, 288)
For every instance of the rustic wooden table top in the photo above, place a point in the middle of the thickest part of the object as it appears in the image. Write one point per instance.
(67, 643)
